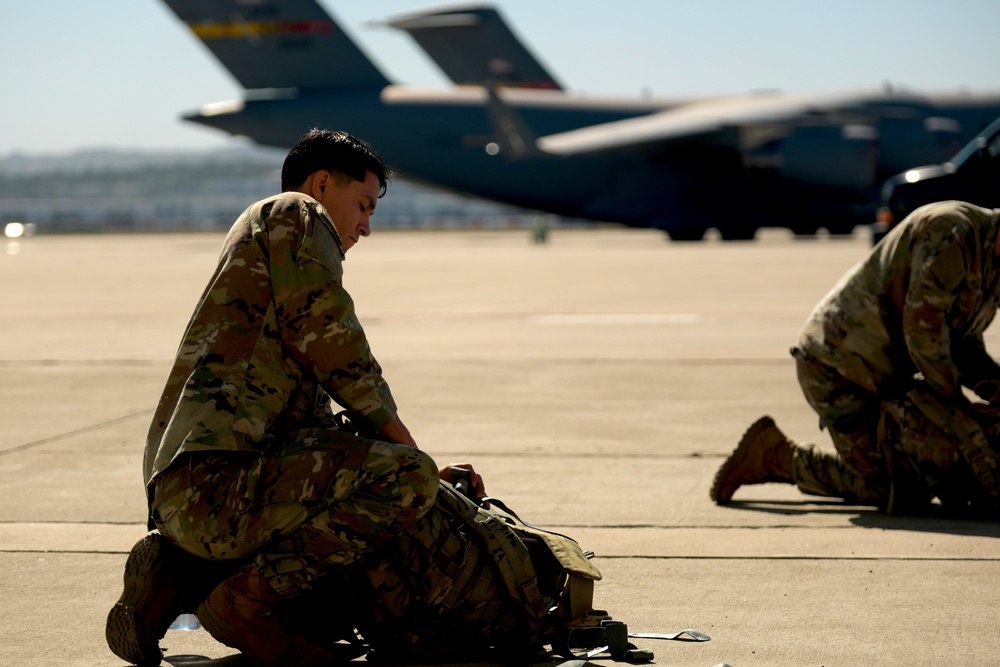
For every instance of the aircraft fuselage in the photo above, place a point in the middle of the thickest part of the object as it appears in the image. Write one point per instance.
(448, 138)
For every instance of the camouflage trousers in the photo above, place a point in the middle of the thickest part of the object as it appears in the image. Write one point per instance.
(944, 450)
(316, 500)
(937, 449)
(850, 414)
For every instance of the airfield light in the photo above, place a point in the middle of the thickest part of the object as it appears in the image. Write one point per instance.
(492, 148)
(14, 230)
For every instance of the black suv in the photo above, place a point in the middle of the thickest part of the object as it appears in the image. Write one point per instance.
(972, 175)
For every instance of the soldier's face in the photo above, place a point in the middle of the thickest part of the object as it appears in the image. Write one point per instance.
(350, 206)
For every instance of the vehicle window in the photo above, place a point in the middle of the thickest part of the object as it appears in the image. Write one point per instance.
(993, 147)
(992, 144)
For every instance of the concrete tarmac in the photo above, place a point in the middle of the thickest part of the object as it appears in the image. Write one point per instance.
(597, 381)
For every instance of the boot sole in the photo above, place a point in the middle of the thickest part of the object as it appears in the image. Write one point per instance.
(148, 591)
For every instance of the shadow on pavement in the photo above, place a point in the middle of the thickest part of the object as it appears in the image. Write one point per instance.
(235, 660)
(937, 520)
(799, 507)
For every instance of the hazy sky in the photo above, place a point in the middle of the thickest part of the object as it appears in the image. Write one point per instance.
(119, 73)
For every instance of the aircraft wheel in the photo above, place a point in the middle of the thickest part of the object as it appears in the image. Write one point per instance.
(686, 234)
(805, 231)
(738, 233)
(840, 229)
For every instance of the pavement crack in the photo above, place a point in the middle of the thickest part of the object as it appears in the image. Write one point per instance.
(76, 363)
(69, 434)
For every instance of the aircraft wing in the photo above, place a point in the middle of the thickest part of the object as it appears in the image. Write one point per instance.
(696, 118)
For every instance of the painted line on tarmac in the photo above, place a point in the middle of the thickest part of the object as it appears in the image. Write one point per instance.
(617, 318)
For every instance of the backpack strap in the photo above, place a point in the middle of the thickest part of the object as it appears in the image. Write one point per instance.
(507, 550)
(577, 601)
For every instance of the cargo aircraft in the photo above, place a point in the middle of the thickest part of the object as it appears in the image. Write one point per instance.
(515, 135)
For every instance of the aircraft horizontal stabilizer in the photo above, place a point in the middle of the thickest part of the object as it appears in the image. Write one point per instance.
(474, 45)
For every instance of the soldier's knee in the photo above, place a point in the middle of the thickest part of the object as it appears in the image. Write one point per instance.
(421, 474)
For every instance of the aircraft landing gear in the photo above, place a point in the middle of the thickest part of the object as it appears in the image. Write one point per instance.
(686, 234)
(840, 228)
(738, 232)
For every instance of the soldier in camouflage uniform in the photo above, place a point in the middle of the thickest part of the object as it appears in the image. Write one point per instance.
(255, 488)
(883, 359)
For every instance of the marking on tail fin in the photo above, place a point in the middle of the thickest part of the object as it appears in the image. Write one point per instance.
(279, 44)
(213, 30)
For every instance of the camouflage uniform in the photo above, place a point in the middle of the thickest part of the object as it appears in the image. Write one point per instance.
(946, 453)
(912, 314)
(244, 457)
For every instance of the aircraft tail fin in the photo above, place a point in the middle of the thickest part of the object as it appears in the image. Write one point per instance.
(474, 45)
(278, 43)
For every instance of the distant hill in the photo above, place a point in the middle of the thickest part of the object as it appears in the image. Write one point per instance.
(20, 164)
(110, 190)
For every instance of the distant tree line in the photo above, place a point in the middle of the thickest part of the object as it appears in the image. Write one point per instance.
(107, 191)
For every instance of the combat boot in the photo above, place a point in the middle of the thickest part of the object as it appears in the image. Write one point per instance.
(908, 493)
(764, 454)
(161, 582)
(245, 613)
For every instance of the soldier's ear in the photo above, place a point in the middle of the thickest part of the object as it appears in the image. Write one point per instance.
(319, 181)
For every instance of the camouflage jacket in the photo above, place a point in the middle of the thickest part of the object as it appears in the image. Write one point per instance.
(919, 303)
(272, 339)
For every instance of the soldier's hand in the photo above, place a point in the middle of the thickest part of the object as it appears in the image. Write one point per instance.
(446, 474)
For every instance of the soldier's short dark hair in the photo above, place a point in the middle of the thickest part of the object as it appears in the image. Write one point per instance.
(336, 152)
